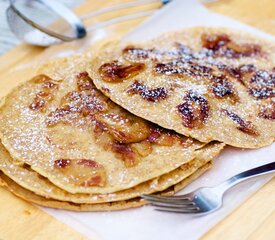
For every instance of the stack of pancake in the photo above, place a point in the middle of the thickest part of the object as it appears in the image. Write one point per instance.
(94, 134)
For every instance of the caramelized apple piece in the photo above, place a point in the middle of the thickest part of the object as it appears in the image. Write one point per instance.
(126, 153)
(116, 72)
(82, 172)
(242, 125)
(242, 73)
(155, 133)
(84, 82)
(222, 46)
(214, 42)
(262, 84)
(194, 110)
(183, 68)
(166, 139)
(42, 98)
(268, 110)
(40, 101)
(221, 87)
(123, 128)
(151, 95)
(143, 148)
(75, 105)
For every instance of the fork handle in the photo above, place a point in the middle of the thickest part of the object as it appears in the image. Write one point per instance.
(122, 6)
(254, 172)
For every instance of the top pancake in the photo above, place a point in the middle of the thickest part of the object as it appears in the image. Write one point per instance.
(207, 83)
(69, 132)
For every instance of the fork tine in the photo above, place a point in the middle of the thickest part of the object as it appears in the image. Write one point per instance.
(181, 197)
(178, 210)
(171, 203)
(167, 201)
(166, 198)
(176, 206)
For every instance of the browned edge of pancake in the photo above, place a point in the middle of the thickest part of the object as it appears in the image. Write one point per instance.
(29, 196)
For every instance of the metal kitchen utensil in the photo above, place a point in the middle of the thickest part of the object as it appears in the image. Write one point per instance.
(207, 199)
(47, 22)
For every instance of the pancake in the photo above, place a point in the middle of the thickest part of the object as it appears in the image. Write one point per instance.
(69, 132)
(32, 181)
(111, 206)
(207, 83)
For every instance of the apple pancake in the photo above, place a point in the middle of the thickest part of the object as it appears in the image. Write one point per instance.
(30, 196)
(207, 83)
(32, 181)
(69, 132)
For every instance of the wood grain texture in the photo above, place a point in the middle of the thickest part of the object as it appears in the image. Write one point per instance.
(21, 220)
(259, 14)
(254, 220)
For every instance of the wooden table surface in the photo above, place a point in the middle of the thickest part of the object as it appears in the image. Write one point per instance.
(254, 219)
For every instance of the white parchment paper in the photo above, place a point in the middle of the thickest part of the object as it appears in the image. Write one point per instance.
(145, 223)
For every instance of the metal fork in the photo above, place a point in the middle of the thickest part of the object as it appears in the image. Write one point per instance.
(206, 199)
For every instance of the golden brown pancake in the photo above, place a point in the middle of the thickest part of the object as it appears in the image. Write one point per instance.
(32, 181)
(69, 132)
(29, 196)
(207, 83)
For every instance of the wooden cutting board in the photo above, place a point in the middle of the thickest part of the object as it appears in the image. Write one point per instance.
(255, 219)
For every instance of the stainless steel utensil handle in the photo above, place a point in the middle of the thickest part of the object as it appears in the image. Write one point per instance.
(254, 172)
(121, 6)
(120, 19)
